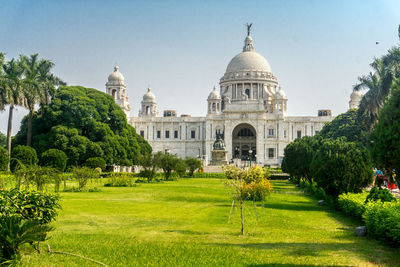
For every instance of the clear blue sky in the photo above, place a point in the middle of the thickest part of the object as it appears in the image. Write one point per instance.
(316, 49)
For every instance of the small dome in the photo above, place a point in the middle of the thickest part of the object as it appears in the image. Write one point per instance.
(214, 94)
(248, 61)
(149, 96)
(116, 76)
(280, 94)
(356, 95)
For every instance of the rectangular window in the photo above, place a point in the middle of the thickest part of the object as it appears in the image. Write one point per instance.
(193, 134)
(284, 134)
(298, 134)
(142, 133)
(167, 134)
(270, 132)
(175, 134)
(316, 132)
(158, 134)
(271, 153)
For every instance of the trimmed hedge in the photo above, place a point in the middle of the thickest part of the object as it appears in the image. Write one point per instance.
(353, 204)
(382, 220)
(278, 176)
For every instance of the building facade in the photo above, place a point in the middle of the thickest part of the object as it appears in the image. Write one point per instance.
(249, 108)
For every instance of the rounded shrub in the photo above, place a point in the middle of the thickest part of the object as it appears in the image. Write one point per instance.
(96, 162)
(54, 158)
(3, 159)
(381, 194)
(25, 155)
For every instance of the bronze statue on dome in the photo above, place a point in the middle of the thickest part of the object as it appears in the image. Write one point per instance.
(248, 28)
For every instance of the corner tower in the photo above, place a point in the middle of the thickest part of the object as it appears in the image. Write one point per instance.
(117, 89)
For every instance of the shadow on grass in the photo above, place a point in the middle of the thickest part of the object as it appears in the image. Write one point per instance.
(293, 207)
(187, 232)
(303, 249)
(282, 265)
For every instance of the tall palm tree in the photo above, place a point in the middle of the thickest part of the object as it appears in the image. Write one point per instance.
(378, 85)
(2, 89)
(31, 88)
(40, 85)
(48, 82)
(11, 83)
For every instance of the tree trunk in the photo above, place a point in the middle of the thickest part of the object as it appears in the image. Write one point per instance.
(241, 212)
(241, 204)
(29, 135)
(9, 133)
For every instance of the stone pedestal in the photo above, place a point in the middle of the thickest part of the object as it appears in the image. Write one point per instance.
(219, 157)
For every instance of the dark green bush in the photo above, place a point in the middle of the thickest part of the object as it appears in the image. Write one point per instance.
(382, 220)
(180, 168)
(4, 157)
(381, 194)
(353, 204)
(96, 162)
(29, 204)
(23, 154)
(54, 158)
(277, 176)
(193, 165)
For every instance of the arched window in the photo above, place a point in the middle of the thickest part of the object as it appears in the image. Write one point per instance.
(147, 110)
(247, 92)
(245, 132)
(114, 91)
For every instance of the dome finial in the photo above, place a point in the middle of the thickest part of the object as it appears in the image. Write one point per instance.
(116, 68)
(248, 42)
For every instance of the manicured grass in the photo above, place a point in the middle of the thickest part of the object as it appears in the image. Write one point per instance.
(185, 223)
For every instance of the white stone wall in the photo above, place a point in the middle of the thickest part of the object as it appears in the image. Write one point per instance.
(273, 131)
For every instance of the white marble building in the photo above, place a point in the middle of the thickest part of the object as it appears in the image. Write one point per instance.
(249, 108)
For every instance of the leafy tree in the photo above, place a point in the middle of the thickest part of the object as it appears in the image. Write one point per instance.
(167, 163)
(344, 125)
(85, 123)
(298, 156)
(149, 163)
(25, 154)
(54, 158)
(4, 158)
(96, 162)
(193, 165)
(3, 140)
(83, 175)
(340, 167)
(180, 167)
(385, 135)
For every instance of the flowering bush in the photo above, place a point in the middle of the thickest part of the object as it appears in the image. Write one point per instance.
(251, 182)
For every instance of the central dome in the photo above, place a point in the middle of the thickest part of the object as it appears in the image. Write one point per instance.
(248, 61)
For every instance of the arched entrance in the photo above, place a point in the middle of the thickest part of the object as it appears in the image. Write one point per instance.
(244, 140)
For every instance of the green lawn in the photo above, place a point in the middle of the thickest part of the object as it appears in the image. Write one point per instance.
(185, 223)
